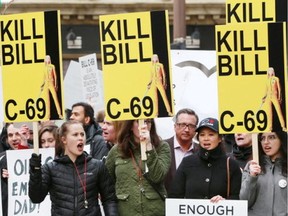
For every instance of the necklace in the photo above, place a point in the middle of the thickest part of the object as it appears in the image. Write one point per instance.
(83, 183)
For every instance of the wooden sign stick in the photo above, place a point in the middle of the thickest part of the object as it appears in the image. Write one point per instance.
(142, 143)
(255, 147)
(35, 138)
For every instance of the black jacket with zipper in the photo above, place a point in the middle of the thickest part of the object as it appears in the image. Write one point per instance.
(61, 180)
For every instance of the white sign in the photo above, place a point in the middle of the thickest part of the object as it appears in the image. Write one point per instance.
(194, 85)
(92, 81)
(19, 202)
(84, 83)
(203, 207)
(72, 85)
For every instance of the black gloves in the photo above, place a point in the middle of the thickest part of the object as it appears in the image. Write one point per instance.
(35, 161)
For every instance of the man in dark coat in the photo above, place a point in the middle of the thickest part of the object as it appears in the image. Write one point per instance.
(181, 144)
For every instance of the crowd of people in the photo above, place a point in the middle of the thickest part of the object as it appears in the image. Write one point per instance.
(112, 178)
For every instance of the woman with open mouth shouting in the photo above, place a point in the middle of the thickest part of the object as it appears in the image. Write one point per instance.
(73, 179)
(264, 185)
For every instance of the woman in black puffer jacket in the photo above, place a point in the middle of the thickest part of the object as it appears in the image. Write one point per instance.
(74, 179)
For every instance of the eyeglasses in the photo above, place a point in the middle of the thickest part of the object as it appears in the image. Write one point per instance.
(269, 138)
(184, 125)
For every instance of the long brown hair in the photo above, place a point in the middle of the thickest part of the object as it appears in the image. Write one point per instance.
(126, 136)
(117, 125)
(283, 149)
(47, 128)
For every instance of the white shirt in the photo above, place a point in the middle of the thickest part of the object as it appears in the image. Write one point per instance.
(180, 153)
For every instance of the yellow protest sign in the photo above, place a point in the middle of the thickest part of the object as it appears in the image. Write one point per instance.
(31, 61)
(135, 49)
(252, 78)
(245, 11)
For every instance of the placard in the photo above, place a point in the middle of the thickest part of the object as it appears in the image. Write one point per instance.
(92, 81)
(203, 207)
(135, 49)
(245, 11)
(19, 202)
(252, 78)
(31, 61)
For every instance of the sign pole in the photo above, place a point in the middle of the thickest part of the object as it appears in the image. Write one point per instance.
(142, 143)
(35, 138)
(255, 147)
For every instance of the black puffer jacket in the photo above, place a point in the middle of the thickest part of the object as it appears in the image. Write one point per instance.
(61, 180)
(4, 184)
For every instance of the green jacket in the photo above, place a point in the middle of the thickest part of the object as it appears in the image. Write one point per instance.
(136, 197)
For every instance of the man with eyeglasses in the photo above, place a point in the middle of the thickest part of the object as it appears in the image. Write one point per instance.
(181, 144)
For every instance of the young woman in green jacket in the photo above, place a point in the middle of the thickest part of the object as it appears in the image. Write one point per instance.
(139, 183)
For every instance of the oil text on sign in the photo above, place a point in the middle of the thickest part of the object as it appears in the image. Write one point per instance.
(118, 30)
(15, 50)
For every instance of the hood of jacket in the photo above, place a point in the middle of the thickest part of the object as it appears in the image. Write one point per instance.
(92, 130)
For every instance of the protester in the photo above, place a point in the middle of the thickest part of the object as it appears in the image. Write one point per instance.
(100, 117)
(110, 131)
(181, 144)
(242, 149)
(208, 174)
(229, 142)
(46, 122)
(73, 179)
(3, 140)
(47, 136)
(17, 138)
(84, 113)
(264, 185)
(139, 183)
